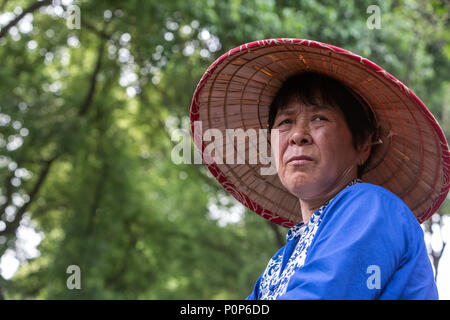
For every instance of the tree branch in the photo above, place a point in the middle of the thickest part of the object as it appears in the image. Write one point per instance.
(93, 82)
(101, 33)
(12, 226)
(8, 191)
(279, 240)
(98, 196)
(118, 275)
(30, 9)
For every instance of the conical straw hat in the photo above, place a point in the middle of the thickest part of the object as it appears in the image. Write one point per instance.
(237, 89)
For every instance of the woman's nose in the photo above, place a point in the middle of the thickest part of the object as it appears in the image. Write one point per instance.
(300, 136)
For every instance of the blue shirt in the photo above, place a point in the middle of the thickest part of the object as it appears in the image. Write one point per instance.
(365, 243)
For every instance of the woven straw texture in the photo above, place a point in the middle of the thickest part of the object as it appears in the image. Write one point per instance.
(236, 91)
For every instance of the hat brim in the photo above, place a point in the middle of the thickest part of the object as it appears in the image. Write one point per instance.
(238, 88)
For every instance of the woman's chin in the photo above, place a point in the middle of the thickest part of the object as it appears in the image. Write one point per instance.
(302, 189)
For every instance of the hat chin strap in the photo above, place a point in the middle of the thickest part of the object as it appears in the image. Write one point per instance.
(345, 174)
(340, 183)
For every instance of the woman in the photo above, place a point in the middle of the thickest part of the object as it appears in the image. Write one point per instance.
(360, 162)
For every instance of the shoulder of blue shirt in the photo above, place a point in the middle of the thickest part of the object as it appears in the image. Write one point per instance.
(377, 202)
(368, 211)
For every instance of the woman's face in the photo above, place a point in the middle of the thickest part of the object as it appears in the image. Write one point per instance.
(314, 149)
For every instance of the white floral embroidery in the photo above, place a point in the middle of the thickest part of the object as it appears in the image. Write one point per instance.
(275, 281)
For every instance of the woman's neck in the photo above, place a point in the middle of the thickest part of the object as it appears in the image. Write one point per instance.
(309, 206)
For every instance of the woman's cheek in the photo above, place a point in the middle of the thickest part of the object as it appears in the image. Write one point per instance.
(335, 149)
(277, 148)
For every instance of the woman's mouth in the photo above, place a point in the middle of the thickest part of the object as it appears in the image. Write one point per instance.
(299, 160)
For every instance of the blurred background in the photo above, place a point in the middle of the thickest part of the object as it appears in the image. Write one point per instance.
(93, 97)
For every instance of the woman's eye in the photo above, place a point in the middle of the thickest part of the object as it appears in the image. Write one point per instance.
(285, 121)
(320, 118)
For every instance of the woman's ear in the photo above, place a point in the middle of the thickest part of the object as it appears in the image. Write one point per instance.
(364, 151)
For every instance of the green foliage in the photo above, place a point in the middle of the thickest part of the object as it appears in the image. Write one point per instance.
(97, 104)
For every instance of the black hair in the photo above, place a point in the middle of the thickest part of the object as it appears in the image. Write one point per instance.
(314, 89)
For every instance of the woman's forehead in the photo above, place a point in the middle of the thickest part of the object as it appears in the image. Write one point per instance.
(296, 107)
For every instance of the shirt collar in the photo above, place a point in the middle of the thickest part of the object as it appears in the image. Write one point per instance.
(297, 230)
